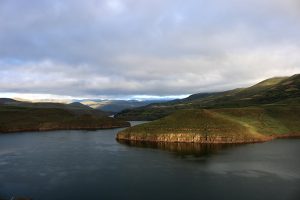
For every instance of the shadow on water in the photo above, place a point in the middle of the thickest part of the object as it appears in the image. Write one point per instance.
(182, 149)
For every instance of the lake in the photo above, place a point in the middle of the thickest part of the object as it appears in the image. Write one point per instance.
(82, 165)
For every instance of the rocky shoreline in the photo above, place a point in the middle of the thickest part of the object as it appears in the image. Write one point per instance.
(197, 138)
(219, 126)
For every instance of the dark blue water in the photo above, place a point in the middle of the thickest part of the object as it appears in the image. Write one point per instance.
(93, 165)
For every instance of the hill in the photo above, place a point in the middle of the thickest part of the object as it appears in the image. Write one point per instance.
(16, 116)
(276, 91)
(76, 107)
(7, 101)
(223, 125)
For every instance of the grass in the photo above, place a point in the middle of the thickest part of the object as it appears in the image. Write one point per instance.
(240, 124)
(267, 120)
(14, 118)
(275, 91)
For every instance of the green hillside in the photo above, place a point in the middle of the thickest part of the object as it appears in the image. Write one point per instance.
(224, 125)
(19, 118)
(76, 107)
(275, 91)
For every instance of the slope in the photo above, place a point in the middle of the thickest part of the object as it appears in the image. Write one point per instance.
(225, 125)
(18, 118)
(278, 90)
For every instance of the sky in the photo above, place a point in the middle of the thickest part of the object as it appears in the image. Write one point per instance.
(144, 49)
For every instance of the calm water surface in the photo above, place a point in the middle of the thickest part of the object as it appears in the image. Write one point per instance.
(93, 165)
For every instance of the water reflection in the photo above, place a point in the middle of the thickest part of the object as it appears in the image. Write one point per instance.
(182, 149)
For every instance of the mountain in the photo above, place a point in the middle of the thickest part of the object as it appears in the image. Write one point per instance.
(277, 90)
(116, 106)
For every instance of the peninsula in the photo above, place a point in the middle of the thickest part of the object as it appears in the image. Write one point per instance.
(265, 111)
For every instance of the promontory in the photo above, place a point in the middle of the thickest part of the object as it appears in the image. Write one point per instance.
(267, 110)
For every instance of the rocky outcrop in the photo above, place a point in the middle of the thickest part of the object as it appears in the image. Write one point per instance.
(190, 138)
(196, 138)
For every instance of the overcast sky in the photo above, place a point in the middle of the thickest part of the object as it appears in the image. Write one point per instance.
(144, 48)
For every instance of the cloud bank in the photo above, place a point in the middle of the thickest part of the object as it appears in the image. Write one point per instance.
(123, 48)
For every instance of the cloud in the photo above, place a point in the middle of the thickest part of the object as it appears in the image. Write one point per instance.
(127, 48)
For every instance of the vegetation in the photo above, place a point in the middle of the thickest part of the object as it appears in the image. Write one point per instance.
(21, 118)
(76, 107)
(274, 91)
(223, 125)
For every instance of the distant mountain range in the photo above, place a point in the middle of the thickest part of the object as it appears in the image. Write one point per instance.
(116, 106)
(277, 90)
(108, 107)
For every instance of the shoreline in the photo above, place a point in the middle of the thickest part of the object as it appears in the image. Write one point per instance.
(204, 140)
(63, 129)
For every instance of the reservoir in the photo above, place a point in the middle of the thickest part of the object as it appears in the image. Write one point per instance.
(60, 165)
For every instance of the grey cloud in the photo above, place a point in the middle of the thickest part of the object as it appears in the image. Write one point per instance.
(128, 47)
